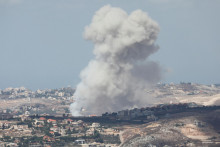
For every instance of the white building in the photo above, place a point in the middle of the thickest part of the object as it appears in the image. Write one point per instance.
(95, 125)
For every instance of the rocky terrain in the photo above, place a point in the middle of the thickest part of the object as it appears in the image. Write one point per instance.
(181, 129)
(185, 93)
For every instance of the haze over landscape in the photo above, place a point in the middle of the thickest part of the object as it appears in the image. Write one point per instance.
(118, 74)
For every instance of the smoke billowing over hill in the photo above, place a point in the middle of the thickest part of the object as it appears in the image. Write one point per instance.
(120, 73)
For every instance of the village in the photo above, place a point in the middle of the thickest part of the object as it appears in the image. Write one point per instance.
(96, 131)
(25, 131)
(42, 118)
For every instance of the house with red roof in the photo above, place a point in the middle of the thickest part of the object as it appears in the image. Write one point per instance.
(52, 121)
(42, 118)
(68, 121)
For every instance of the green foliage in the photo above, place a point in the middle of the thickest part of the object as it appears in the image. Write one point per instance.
(179, 124)
(58, 143)
(67, 139)
(24, 142)
(7, 138)
(35, 139)
(99, 140)
(96, 134)
(26, 122)
(56, 134)
(69, 131)
(213, 138)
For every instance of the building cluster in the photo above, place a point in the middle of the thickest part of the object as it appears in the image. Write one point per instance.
(42, 131)
(19, 101)
(150, 113)
(22, 92)
(33, 109)
(134, 113)
(52, 126)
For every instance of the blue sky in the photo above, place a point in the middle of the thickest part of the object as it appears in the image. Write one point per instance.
(42, 45)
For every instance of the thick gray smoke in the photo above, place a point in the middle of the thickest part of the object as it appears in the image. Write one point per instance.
(120, 73)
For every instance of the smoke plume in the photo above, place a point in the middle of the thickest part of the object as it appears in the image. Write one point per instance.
(120, 73)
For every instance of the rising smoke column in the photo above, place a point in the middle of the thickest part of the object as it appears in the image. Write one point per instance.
(120, 73)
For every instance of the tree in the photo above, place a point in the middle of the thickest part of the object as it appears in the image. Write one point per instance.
(69, 131)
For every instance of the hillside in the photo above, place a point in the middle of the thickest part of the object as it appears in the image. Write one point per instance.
(181, 129)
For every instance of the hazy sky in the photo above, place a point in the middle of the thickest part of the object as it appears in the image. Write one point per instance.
(42, 45)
